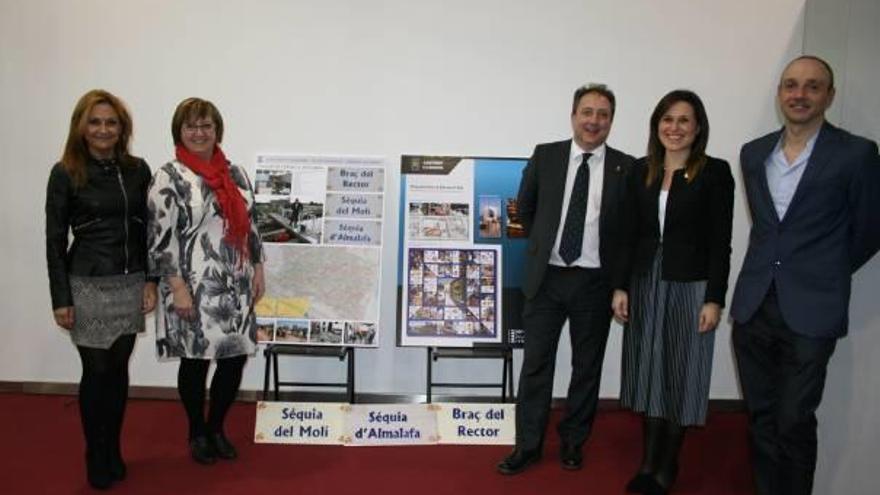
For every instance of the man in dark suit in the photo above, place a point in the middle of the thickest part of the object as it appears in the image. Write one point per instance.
(569, 201)
(812, 190)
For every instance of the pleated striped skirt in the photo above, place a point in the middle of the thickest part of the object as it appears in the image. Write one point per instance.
(667, 363)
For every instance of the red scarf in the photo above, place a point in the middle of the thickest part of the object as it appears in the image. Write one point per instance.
(233, 209)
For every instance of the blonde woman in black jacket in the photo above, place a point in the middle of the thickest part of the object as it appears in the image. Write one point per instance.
(99, 292)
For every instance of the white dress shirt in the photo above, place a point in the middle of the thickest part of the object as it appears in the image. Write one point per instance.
(590, 250)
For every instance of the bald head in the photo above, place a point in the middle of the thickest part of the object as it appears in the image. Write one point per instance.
(806, 90)
(825, 66)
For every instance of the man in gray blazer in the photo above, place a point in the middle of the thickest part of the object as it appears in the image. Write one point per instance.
(570, 201)
(813, 193)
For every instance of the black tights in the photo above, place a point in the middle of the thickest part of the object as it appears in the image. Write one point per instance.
(103, 392)
(191, 378)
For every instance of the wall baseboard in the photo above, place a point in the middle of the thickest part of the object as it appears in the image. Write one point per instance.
(170, 393)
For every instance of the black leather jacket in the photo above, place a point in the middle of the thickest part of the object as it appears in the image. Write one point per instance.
(108, 217)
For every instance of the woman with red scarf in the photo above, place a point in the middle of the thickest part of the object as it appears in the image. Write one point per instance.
(205, 247)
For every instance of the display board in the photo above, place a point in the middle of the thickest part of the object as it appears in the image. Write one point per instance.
(461, 250)
(320, 218)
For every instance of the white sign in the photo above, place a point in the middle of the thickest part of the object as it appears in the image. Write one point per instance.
(386, 424)
(402, 424)
(300, 423)
(478, 424)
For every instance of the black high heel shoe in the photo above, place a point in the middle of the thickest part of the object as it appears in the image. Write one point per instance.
(639, 483)
(223, 447)
(202, 450)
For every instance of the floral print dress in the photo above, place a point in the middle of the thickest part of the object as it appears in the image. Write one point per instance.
(186, 239)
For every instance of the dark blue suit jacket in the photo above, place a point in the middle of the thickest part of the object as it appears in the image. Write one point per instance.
(831, 228)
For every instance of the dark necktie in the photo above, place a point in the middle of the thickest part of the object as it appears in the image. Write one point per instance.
(573, 233)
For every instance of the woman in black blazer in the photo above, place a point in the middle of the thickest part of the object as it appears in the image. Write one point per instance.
(677, 268)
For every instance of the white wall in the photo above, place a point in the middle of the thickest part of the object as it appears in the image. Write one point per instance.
(490, 77)
(845, 32)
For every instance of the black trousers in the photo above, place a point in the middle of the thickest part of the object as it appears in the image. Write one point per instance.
(583, 297)
(782, 375)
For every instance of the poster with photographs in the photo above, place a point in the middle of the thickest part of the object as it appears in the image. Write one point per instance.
(459, 203)
(452, 296)
(438, 221)
(321, 221)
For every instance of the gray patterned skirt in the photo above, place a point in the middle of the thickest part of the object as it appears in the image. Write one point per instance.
(105, 308)
(667, 363)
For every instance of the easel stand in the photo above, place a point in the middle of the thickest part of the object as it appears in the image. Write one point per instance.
(272, 352)
(504, 352)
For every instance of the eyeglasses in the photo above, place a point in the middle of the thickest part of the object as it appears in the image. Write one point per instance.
(207, 128)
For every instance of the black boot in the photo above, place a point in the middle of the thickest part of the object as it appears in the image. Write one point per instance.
(115, 463)
(93, 417)
(667, 469)
(116, 414)
(652, 444)
(97, 470)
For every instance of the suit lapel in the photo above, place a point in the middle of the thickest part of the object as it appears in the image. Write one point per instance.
(763, 151)
(610, 185)
(821, 154)
(560, 171)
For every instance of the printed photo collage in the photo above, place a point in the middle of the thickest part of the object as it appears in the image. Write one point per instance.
(452, 293)
(315, 332)
(434, 221)
(318, 203)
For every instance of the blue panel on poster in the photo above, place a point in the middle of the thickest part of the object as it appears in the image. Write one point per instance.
(499, 178)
